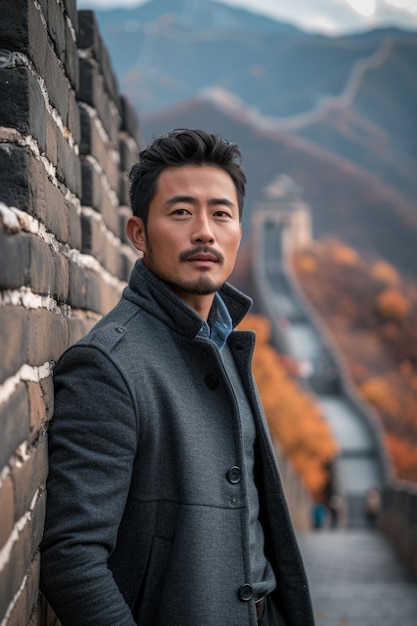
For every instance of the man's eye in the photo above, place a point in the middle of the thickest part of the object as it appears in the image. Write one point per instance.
(180, 212)
(222, 214)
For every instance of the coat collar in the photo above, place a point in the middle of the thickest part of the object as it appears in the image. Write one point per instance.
(155, 296)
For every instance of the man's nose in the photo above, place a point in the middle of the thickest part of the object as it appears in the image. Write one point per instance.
(203, 232)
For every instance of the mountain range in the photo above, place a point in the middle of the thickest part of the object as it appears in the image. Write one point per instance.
(336, 114)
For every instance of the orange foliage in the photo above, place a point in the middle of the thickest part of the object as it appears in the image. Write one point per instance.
(293, 417)
(371, 312)
(307, 263)
(404, 456)
(384, 272)
(392, 304)
(343, 254)
(381, 394)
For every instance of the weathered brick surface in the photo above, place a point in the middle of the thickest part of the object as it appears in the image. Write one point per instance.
(48, 271)
(7, 509)
(62, 265)
(24, 183)
(103, 151)
(95, 195)
(125, 213)
(93, 92)
(22, 104)
(79, 326)
(21, 30)
(30, 476)
(104, 249)
(89, 37)
(13, 339)
(14, 431)
(25, 608)
(21, 555)
(128, 152)
(130, 124)
(47, 336)
(16, 249)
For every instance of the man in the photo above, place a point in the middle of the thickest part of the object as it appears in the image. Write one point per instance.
(164, 502)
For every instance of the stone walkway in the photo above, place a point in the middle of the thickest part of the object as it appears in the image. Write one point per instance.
(357, 579)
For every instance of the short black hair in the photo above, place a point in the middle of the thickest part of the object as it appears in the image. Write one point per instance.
(178, 147)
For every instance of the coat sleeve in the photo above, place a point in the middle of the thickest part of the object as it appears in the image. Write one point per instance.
(92, 445)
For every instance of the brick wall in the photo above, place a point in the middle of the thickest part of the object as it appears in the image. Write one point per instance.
(67, 140)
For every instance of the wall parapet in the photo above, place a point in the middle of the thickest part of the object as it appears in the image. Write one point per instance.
(67, 140)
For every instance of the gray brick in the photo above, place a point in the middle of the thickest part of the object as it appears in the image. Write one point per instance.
(94, 195)
(79, 327)
(129, 115)
(71, 11)
(14, 417)
(21, 556)
(73, 121)
(16, 249)
(123, 192)
(24, 611)
(68, 166)
(92, 143)
(7, 516)
(47, 336)
(77, 296)
(56, 84)
(13, 340)
(24, 183)
(89, 37)
(21, 30)
(128, 149)
(56, 28)
(93, 93)
(101, 297)
(29, 476)
(100, 247)
(74, 227)
(21, 103)
(124, 214)
(48, 272)
(71, 59)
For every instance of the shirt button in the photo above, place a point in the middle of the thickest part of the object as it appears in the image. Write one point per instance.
(234, 475)
(233, 500)
(246, 592)
(120, 329)
(211, 381)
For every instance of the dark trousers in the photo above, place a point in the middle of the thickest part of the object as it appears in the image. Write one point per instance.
(271, 616)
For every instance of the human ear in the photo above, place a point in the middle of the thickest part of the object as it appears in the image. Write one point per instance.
(135, 230)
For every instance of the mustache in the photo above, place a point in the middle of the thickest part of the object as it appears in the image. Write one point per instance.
(184, 256)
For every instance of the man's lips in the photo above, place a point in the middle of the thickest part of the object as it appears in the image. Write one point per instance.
(203, 257)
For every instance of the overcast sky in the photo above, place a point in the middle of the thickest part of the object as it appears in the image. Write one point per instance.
(329, 16)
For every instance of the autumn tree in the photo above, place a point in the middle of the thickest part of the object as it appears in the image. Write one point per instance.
(293, 417)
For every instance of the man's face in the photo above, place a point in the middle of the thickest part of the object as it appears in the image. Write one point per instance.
(193, 231)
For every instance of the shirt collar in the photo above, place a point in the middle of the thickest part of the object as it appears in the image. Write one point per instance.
(219, 324)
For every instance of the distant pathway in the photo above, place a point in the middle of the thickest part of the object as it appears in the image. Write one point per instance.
(357, 579)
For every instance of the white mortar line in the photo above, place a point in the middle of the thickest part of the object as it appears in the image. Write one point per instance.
(26, 373)
(6, 551)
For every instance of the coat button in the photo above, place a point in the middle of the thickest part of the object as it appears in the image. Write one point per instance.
(120, 329)
(246, 592)
(211, 381)
(234, 475)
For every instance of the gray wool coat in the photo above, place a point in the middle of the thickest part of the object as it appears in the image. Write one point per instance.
(143, 525)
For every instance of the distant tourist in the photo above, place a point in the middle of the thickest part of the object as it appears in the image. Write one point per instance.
(372, 505)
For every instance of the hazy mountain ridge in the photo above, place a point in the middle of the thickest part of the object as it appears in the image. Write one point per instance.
(337, 114)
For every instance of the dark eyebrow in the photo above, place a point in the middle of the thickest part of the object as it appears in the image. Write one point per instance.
(191, 200)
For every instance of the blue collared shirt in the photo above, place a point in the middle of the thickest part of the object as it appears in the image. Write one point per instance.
(219, 324)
